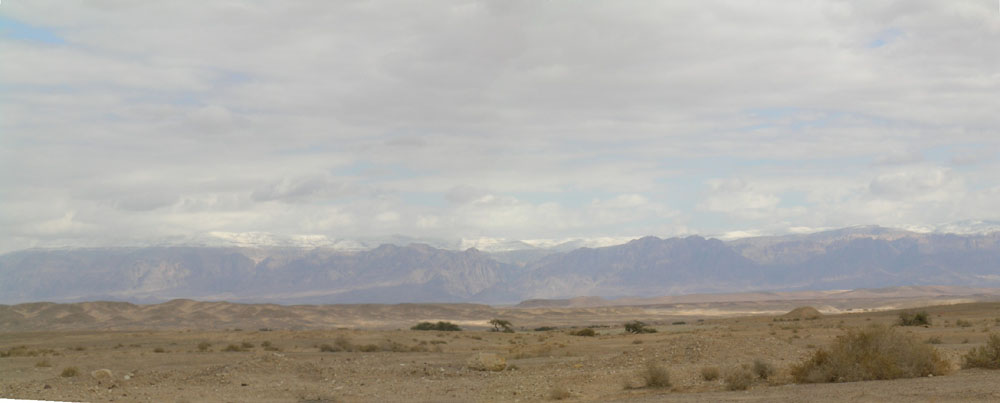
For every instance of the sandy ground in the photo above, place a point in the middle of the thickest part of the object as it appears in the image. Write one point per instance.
(407, 365)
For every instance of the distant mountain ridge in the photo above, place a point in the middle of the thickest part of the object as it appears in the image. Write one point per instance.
(851, 258)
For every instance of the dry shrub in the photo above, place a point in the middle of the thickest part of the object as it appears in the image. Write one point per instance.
(233, 348)
(369, 348)
(921, 318)
(739, 378)
(559, 392)
(204, 346)
(69, 372)
(343, 343)
(586, 332)
(710, 373)
(44, 363)
(763, 369)
(987, 356)
(655, 376)
(874, 353)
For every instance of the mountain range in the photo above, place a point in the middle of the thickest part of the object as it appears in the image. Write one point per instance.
(850, 258)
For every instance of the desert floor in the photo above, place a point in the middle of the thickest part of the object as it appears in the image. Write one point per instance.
(407, 365)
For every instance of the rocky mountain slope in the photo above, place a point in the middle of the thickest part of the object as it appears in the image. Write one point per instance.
(863, 257)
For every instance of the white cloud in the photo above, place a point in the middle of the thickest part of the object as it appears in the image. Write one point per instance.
(495, 119)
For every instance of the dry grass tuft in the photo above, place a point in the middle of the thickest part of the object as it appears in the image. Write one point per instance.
(559, 392)
(987, 356)
(710, 373)
(655, 376)
(739, 378)
(874, 353)
(763, 369)
(69, 372)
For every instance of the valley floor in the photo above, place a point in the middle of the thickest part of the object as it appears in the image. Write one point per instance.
(407, 365)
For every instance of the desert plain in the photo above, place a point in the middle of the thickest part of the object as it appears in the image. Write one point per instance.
(188, 351)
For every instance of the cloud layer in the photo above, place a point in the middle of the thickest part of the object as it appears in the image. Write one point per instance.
(130, 121)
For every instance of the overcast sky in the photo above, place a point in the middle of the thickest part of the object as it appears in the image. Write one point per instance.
(126, 121)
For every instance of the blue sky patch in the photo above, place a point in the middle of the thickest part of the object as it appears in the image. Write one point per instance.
(13, 29)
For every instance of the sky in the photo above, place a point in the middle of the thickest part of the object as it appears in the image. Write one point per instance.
(123, 122)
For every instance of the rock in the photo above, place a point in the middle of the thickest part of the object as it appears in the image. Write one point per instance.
(102, 374)
(487, 362)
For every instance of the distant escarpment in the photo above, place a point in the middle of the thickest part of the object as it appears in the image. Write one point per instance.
(864, 257)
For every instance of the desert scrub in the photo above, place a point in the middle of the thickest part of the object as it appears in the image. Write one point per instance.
(343, 343)
(655, 376)
(369, 348)
(233, 348)
(159, 350)
(44, 363)
(873, 353)
(739, 378)
(586, 332)
(914, 318)
(69, 372)
(987, 356)
(440, 326)
(710, 373)
(559, 392)
(763, 369)
(204, 346)
(637, 327)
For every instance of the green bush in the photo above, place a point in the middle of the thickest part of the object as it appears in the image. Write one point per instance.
(874, 353)
(987, 356)
(637, 327)
(914, 318)
(441, 326)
